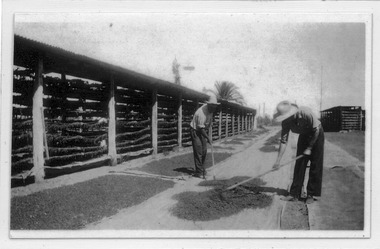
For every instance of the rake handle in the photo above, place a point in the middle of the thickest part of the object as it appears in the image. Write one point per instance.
(250, 179)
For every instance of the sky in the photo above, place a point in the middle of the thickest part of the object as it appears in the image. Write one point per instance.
(269, 57)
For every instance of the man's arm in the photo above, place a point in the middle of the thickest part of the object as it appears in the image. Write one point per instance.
(204, 134)
(312, 141)
(281, 152)
(283, 143)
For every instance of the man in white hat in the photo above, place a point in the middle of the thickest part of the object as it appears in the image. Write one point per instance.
(201, 122)
(303, 121)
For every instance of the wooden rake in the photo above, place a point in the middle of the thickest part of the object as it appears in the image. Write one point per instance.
(262, 174)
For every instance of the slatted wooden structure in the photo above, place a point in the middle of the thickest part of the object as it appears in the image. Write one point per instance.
(71, 113)
(343, 118)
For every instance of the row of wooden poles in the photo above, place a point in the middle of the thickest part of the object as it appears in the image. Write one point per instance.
(245, 121)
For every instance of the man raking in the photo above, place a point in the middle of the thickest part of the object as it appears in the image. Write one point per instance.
(303, 121)
(201, 122)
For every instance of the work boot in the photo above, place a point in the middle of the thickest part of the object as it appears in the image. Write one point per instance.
(198, 174)
(204, 173)
(309, 199)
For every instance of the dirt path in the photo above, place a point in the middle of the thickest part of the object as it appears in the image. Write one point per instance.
(155, 212)
(342, 204)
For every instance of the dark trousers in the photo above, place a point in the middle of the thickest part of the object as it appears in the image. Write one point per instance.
(314, 185)
(199, 150)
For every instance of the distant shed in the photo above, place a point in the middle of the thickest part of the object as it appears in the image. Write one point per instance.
(343, 118)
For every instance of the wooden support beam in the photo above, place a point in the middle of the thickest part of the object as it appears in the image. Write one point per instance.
(44, 132)
(220, 124)
(242, 122)
(64, 115)
(246, 121)
(154, 121)
(226, 125)
(112, 124)
(252, 115)
(38, 145)
(179, 127)
(239, 122)
(233, 123)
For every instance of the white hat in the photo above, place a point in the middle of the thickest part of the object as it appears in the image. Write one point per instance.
(212, 101)
(285, 109)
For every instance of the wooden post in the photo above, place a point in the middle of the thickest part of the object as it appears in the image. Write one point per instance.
(251, 122)
(38, 145)
(233, 123)
(179, 125)
(220, 124)
(64, 102)
(44, 132)
(239, 125)
(154, 121)
(246, 121)
(242, 122)
(254, 120)
(112, 124)
(226, 125)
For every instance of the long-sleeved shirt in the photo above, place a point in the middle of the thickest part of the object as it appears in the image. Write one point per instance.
(305, 122)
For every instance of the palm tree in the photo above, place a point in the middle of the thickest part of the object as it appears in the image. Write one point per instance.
(228, 91)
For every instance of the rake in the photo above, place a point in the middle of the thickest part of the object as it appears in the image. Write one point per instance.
(213, 162)
(258, 176)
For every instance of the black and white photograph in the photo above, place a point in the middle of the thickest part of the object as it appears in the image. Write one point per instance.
(189, 124)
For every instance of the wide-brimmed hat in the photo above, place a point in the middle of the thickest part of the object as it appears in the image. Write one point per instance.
(212, 101)
(284, 109)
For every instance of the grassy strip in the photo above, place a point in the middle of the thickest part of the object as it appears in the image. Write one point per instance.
(74, 206)
(352, 142)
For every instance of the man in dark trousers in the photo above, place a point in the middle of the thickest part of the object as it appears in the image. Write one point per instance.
(303, 121)
(201, 122)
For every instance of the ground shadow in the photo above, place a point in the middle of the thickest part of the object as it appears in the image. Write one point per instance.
(255, 185)
(278, 191)
(268, 148)
(233, 142)
(251, 136)
(224, 148)
(175, 166)
(269, 145)
(185, 170)
(242, 139)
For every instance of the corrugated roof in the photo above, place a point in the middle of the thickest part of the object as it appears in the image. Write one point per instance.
(342, 107)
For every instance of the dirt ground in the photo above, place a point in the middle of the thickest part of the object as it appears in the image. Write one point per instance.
(342, 204)
(247, 161)
(219, 202)
(74, 206)
(257, 157)
(340, 208)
